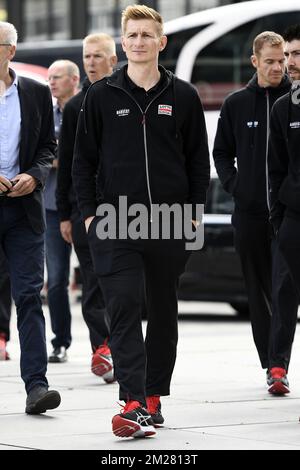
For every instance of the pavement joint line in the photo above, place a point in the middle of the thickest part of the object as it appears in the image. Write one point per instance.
(249, 439)
(14, 446)
(230, 425)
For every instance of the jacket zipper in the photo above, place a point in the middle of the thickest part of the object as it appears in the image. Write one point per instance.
(267, 148)
(145, 139)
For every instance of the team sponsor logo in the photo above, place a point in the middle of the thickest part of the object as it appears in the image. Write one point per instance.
(296, 92)
(165, 109)
(122, 112)
(295, 125)
(252, 124)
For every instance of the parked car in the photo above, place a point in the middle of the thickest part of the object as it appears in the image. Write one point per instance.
(36, 72)
(214, 273)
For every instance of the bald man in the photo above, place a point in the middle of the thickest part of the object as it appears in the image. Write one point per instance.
(63, 78)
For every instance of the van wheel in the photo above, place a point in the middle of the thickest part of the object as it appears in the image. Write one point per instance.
(242, 309)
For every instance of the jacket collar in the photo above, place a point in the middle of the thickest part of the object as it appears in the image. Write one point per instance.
(282, 88)
(118, 78)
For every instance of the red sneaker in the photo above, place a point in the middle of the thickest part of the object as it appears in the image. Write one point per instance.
(154, 409)
(4, 356)
(102, 364)
(277, 381)
(133, 421)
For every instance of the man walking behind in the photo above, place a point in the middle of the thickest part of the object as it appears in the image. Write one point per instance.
(284, 162)
(240, 154)
(99, 58)
(63, 78)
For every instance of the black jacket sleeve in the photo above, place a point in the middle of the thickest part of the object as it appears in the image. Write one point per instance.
(195, 148)
(224, 152)
(46, 146)
(278, 161)
(65, 154)
(86, 154)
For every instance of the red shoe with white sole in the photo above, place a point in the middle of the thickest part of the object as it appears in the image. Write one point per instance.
(277, 381)
(102, 364)
(133, 421)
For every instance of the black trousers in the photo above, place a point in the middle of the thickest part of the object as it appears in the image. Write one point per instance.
(5, 296)
(289, 244)
(93, 306)
(272, 298)
(129, 270)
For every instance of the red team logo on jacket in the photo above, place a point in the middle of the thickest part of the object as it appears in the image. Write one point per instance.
(165, 109)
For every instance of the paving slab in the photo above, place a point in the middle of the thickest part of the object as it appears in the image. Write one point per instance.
(218, 397)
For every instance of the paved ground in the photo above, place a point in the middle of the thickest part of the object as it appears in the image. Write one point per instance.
(218, 401)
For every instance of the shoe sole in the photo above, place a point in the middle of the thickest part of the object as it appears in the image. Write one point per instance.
(55, 360)
(123, 427)
(49, 401)
(278, 388)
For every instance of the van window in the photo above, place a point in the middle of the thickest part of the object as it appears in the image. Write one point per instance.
(168, 57)
(224, 65)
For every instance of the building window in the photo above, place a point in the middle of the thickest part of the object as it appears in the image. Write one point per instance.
(47, 19)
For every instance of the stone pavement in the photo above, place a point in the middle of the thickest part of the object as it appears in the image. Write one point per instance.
(219, 398)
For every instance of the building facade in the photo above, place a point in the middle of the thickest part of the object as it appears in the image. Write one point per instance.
(38, 20)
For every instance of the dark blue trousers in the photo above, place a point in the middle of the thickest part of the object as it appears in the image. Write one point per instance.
(24, 250)
(58, 253)
(5, 297)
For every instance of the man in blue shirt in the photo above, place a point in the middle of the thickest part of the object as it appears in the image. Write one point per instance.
(27, 147)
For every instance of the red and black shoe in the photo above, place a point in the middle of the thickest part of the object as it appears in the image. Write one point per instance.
(133, 421)
(102, 364)
(277, 381)
(154, 409)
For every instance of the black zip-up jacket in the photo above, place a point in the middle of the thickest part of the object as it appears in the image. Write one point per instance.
(160, 155)
(65, 197)
(284, 158)
(241, 145)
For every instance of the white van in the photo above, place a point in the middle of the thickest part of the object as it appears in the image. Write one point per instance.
(212, 48)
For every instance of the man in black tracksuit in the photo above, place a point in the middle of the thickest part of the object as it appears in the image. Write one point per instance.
(141, 134)
(242, 135)
(99, 58)
(284, 161)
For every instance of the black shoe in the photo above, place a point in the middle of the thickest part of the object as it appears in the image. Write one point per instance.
(154, 409)
(39, 400)
(58, 355)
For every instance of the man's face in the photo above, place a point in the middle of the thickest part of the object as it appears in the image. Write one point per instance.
(62, 84)
(270, 65)
(7, 52)
(292, 54)
(96, 61)
(141, 41)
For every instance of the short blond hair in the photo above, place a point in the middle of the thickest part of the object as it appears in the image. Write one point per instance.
(104, 39)
(142, 12)
(266, 37)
